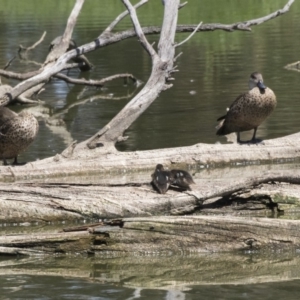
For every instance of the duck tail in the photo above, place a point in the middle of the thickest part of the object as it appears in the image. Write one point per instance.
(221, 118)
(221, 129)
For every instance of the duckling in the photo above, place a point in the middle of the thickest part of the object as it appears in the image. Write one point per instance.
(161, 179)
(17, 132)
(249, 110)
(182, 179)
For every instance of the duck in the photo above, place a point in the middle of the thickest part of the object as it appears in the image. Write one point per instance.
(249, 110)
(82, 60)
(182, 179)
(161, 179)
(17, 132)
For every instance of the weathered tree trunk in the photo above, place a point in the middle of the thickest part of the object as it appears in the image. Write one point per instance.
(103, 160)
(163, 235)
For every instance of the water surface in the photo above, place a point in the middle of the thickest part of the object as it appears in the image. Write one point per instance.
(214, 70)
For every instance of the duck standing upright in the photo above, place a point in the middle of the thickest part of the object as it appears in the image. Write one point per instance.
(161, 179)
(17, 132)
(249, 110)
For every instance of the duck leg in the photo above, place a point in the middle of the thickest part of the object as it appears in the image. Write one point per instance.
(15, 162)
(253, 140)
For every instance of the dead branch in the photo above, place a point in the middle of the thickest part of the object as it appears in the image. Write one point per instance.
(23, 51)
(293, 66)
(91, 82)
(121, 17)
(185, 40)
(104, 40)
(137, 27)
(62, 47)
(162, 65)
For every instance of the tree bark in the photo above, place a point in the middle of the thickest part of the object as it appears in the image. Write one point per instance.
(163, 235)
(103, 160)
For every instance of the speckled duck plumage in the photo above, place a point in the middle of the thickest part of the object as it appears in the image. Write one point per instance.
(162, 179)
(17, 132)
(249, 110)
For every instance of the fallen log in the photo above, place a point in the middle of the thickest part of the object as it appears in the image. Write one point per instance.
(234, 191)
(103, 160)
(163, 235)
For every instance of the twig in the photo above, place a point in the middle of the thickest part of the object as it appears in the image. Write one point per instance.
(177, 56)
(138, 29)
(24, 76)
(94, 82)
(9, 63)
(179, 44)
(293, 66)
(182, 5)
(35, 44)
(56, 115)
(120, 17)
(268, 17)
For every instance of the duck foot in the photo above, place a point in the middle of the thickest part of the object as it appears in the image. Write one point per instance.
(14, 163)
(251, 142)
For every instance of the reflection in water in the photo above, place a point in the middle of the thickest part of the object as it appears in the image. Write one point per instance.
(213, 276)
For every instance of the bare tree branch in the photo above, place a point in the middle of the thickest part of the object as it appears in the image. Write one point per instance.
(162, 66)
(62, 47)
(26, 49)
(293, 66)
(104, 40)
(121, 17)
(91, 82)
(138, 29)
(185, 40)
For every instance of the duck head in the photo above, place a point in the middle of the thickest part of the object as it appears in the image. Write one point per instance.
(256, 80)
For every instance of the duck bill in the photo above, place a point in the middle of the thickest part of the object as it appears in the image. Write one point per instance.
(261, 85)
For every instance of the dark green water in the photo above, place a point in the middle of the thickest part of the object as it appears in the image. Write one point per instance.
(214, 70)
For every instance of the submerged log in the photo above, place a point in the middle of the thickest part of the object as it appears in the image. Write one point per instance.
(163, 235)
